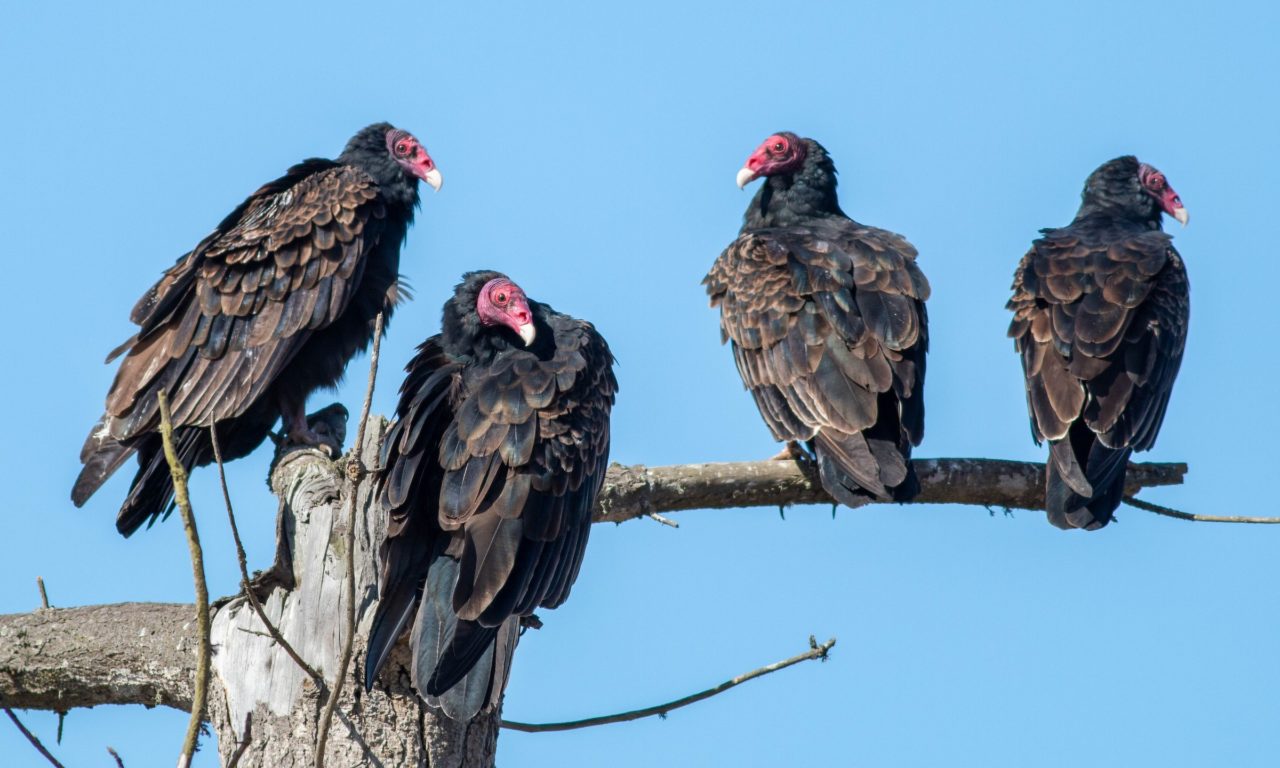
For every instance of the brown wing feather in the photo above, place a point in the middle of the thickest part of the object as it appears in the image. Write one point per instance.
(547, 424)
(505, 460)
(828, 326)
(222, 323)
(1100, 322)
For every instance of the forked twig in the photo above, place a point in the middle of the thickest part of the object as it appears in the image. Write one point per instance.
(244, 570)
(179, 474)
(1170, 512)
(246, 739)
(31, 737)
(815, 652)
(355, 469)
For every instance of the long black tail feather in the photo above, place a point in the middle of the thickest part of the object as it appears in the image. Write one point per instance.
(151, 494)
(453, 660)
(1103, 470)
(470, 642)
(101, 459)
(397, 604)
(856, 469)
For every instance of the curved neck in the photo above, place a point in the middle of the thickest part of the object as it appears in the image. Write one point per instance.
(794, 198)
(1095, 209)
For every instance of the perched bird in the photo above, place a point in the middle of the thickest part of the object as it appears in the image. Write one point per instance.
(1100, 310)
(827, 322)
(265, 310)
(490, 473)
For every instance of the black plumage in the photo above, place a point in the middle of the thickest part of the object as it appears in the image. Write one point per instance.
(265, 310)
(827, 322)
(490, 473)
(1101, 308)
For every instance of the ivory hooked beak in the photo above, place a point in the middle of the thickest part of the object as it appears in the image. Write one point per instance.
(527, 333)
(434, 178)
(1180, 213)
(745, 177)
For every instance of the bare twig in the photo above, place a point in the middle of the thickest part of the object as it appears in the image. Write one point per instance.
(116, 755)
(244, 570)
(1170, 512)
(44, 596)
(657, 518)
(31, 737)
(246, 738)
(815, 652)
(355, 470)
(183, 501)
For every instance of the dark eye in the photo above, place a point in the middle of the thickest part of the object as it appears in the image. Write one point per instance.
(500, 298)
(402, 148)
(1156, 181)
(779, 146)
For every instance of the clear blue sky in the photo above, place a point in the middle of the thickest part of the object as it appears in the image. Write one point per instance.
(589, 150)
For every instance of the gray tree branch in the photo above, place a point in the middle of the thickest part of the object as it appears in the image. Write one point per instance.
(139, 653)
(266, 710)
(129, 653)
(636, 491)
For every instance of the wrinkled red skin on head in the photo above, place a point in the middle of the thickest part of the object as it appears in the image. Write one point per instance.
(768, 159)
(1155, 184)
(409, 153)
(502, 302)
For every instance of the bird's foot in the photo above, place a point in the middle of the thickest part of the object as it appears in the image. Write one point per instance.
(261, 585)
(264, 583)
(305, 436)
(792, 451)
(326, 429)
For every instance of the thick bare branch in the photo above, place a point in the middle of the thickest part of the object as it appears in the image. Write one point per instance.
(133, 653)
(636, 491)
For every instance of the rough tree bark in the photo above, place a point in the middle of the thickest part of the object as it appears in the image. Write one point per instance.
(266, 694)
(59, 659)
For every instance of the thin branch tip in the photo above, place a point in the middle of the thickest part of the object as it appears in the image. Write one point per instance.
(1159, 509)
(816, 651)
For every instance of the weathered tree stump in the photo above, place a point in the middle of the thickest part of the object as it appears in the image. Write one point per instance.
(261, 692)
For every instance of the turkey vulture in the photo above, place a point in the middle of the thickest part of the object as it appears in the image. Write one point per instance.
(265, 310)
(490, 473)
(827, 322)
(1100, 310)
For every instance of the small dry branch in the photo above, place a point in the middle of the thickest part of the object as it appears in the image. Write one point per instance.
(31, 737)
(815, 651)
(355, 471)
(179, 474)
(272, 630)
(1179, 514)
